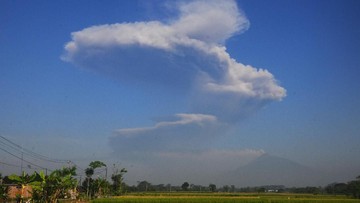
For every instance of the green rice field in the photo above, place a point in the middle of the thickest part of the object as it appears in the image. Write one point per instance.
(225, 198)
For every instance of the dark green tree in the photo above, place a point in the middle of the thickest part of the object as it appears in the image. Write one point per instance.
(96, 164)
(212, 187)
(89, 172)
(117, 177)
(143, 186)
(226, 188)
(336, 188)
(233, 188)
(3, 190)
(354, 188)
(185, 186)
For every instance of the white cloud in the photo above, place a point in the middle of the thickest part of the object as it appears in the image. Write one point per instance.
(184, 119)
(211, 21)
(183, 132)
(199, 22)
(187, 54)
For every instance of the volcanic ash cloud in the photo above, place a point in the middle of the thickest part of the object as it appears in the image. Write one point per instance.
(185, 53)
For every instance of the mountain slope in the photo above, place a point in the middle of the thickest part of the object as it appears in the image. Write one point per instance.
(272, 170)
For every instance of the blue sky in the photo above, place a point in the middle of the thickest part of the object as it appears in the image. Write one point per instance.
(110, 97)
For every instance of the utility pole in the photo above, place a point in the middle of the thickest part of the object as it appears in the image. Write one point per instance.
(22, 158)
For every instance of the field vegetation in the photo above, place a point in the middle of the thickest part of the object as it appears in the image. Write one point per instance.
(177, 197)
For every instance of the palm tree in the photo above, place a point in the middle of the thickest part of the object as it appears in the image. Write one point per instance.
(89, 172)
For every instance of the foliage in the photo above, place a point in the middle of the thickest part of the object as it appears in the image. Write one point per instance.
(354, 188)
(308, 190)
(54, 186)
(3, 190)
(96, 164)
(101, 187)
(49, 189)
(93, 187)
(23, 180)
(38, 187)
(144, 186)
(117, 179)
(89, 172)
(185, 186)
(212, 187)
(351, 188)
(336, 188)
(226, 188)
(226, 198)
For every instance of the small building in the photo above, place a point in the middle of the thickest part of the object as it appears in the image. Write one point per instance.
(16, 191)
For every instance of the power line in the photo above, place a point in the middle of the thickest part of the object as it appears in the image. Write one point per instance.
(35, 155)
(23, 159)
(7, 146)
(7, 164)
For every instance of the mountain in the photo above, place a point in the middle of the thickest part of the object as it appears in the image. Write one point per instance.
(272, 170)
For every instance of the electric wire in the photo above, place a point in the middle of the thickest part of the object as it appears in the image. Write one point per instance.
(7, 164)
(7, 145)
(12, 149)
(22, 159)
(30, 153)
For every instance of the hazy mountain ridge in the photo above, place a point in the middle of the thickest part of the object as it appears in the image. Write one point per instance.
(273, 170)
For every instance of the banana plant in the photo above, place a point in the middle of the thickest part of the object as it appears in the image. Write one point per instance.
(58, 182)
(24, 180)
(38, 188)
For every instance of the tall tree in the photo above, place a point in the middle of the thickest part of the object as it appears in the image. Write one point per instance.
(143, 186)
(354, 187)
(89, 172)
(226, 188)
(96, 164)
(212, 187)
(117, 177)
(185, 186)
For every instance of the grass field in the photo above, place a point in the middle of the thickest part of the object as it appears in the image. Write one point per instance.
(225, 198)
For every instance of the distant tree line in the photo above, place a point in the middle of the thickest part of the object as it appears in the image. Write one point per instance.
(145, 186)
(351, 188)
